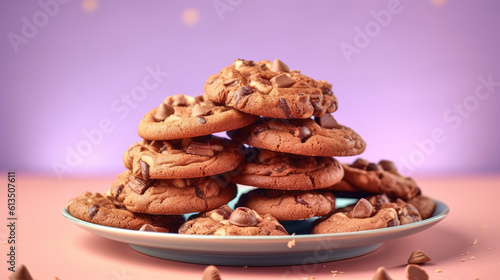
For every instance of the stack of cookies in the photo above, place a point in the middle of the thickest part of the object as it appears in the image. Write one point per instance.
(282, 141)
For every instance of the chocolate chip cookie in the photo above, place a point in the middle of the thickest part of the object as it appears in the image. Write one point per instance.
(271, 90)
(100, 209)
(224, 222)
(183, 116)
(289, 205)
(183, 158)
(274, 170)
(379, 178)
(319, 137)
(171, 197)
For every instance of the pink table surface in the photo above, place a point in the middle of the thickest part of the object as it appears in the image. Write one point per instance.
(465, 245)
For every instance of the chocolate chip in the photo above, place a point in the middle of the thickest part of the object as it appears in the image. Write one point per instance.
(327, 121)
(392, 223)
(231, 82)
(201, 149)
(415, 272)
(243, 217)
(304, 133)
(211, 273)
(224, 212)
(163, 112)
(139, 185)
(202, 120)
(21, 273)
(284, 107)
(179, 100)
(119, 190)
(282, 81)
(301, 200)
(186, 226)
(325, 90)
(144, 170)
(362, 209)
(387, 165)
(279, 66)
(243, 91)
(360, 163)
(93, 210)
(148, 227)
(372, 167)
(199, 110)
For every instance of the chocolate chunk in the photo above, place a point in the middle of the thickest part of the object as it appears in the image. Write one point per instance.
(381, 274)
(327, 121)
(119, 190)
(201, 149)
(148, 227)
(199, 110)
(231, 82)
(392, 223)
(21, 273)
(93, 210)
(225, 212)
(243, 91)
(186, 226)
(301, 200)
(282, 81)
(211, 273)
(325, 90)
(372, 167)
(243, 217)
(387, 165)
(304, 133)
(279, 66)
(202, 120)
(163, 112)
(139, 185)
(360, 163)
(179, 100)
(284, 107)
(362, 209)
(415, 272)
(144, 170)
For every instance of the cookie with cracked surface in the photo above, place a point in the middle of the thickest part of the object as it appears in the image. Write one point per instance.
(171, 197)
(241, 221)
(183, 116)
(289, 205)
(274, 170)
(271, 90)
(379, 178)
(103, 210)
(319, 137)
(183, 158)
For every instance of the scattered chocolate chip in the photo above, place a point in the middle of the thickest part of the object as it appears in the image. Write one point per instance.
(418, 257)
(93, 210)
(415, 272)
(163, 112)
(372, 167)
(284, 107)
(282, 81)
(362, 209)
(304, 133)
(381, 274)
(202, 120)
(243, 217)
(279, 66)
(201, 149)
(301, 200)
(387, 165)
(211, 273)
(21, 273)
(148, 227)
(139, 185)
(119, 190)
(327, 121)
(144, 170)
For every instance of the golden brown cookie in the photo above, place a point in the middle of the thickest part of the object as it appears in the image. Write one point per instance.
(241, 221)
(183, 116)
(289, 205)
(100, 209)
(183, 158)
(320, 137)
(274, 170)
(271, 90)
(171, 197)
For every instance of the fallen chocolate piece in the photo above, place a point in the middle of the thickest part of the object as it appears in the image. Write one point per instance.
(243, 217)
(163, 112)
(211, 273)
(282, 81)
(279, 66)
(418, 257)
(21, 273)
(93, 210)
(144, 170)
(381, 274)
(327, 121)
(362, 209)
(415, 272)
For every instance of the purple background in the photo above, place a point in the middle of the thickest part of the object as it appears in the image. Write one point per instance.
(400, 70)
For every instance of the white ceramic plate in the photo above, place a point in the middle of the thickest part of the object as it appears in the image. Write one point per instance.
(260, 250)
